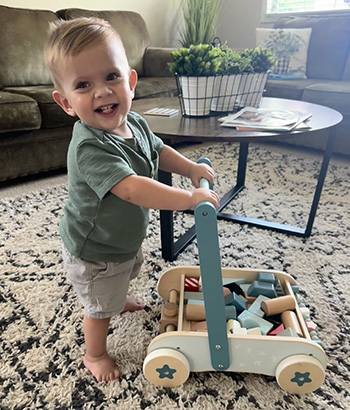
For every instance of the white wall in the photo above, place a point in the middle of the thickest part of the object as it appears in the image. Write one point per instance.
(236, 23)
(158, 14)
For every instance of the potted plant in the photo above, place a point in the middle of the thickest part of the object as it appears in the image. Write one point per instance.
(198, 20)
(195, 69)
(232, 65)
(253, 83)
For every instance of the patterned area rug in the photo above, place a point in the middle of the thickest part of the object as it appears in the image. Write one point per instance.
(41, 343)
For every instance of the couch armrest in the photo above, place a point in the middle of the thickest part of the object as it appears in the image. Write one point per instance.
(155, 62)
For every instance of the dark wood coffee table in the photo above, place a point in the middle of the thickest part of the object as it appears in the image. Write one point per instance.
(207, 129)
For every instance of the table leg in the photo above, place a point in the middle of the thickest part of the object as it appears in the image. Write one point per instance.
(320, 181)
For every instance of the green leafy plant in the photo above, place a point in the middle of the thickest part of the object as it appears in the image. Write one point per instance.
(261, 59)
(232, 62)
(197, 60)
(198, 21)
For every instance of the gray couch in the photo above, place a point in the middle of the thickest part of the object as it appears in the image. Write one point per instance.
(327, 71)
(34, 130)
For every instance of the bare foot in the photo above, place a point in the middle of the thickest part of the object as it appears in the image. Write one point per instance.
(133, 304)
(102, 367)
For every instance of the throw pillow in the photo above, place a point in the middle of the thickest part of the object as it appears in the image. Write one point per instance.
(288, 46)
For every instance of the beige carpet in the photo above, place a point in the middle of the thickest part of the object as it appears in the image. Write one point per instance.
(41, 336)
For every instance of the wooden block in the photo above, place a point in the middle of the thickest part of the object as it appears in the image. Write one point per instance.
(311, 326)
(262, 288)
(239, 281)
(198, 326)
(192, 285)
(277, 331)
(254, 331)
(255, 307)
(288, 332)
(236, 301)
(195, 312)
(249, 320)
(290, 320)
(231, 324)
(249, 299)
(193, 295)
(266, 277)
(278, 305)
(230, 312)
(240, 331)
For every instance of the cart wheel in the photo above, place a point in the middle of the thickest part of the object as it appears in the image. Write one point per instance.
(166, 368)
(300, 374)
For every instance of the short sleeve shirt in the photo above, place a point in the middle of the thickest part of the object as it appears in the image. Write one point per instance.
(97, 225)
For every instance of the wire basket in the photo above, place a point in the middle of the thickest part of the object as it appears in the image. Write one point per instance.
(204, 96)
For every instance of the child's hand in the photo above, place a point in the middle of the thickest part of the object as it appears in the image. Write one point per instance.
(198, 171)
(202, 195)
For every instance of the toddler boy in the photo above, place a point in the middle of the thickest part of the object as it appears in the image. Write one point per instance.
(113, 160)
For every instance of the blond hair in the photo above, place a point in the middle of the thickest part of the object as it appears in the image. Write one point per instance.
(70, 37)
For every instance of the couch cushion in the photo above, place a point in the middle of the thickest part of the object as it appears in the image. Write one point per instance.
(329, 43)
(130, 26)
(156, 87)
(52, 114)
(22, 38)
(290, 89)
(18, 113)
(333, 94)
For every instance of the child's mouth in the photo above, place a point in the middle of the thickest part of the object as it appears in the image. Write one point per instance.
(107, 109)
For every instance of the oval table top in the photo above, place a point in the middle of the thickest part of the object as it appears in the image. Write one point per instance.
(207, 129)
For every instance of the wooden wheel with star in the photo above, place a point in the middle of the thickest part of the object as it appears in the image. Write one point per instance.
(300, 374)
(166, 368)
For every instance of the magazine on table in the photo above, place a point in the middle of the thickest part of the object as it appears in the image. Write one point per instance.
(266, 119)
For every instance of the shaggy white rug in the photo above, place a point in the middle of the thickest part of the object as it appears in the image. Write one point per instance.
(41, 343)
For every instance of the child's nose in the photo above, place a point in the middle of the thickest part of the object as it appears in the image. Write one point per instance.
(102, 91)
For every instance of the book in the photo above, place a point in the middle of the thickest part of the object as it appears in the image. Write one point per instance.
(162, 112)
(265, 119)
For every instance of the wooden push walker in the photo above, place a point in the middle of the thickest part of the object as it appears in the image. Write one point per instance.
(268, 331)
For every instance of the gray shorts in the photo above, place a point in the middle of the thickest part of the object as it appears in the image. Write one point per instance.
(101, 287)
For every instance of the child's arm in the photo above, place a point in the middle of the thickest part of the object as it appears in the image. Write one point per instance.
(148, 193)
(174, 162)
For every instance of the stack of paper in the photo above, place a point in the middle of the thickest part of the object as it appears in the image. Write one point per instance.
(265, 119)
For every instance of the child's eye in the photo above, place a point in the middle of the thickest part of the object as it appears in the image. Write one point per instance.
(82, 84)
(112, 76)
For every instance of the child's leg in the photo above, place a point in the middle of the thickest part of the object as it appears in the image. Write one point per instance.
(96, 358)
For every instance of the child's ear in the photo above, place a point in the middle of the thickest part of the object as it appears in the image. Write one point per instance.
(62, 101)
(132, 82)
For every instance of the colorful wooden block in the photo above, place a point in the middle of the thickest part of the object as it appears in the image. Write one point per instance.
(192, 285)
(249, 320)
(288, 332)
(230, 312)
(277, 331)
(266, 277)
(254, 331)
(255, 307)
(262, 288)
(237, 301)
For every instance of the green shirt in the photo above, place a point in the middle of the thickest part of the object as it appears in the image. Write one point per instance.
(97, 225)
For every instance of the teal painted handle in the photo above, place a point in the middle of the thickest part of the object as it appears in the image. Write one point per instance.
(210, 268)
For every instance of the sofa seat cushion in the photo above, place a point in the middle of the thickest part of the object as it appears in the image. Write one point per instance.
(290, 89)
(52, 114)
(18, 113)
(149, 87)
(130, 26)
(333, 94)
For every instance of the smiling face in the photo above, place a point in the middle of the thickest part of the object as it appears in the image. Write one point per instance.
(98, 86)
